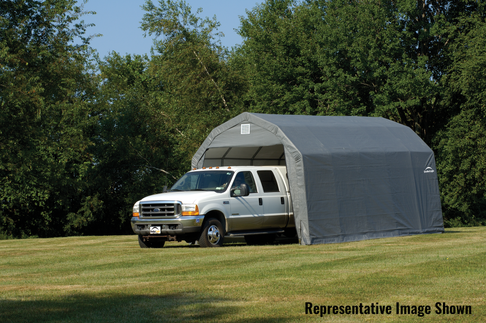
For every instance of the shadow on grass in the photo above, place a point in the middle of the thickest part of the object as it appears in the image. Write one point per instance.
(238, 242)
(184, 307)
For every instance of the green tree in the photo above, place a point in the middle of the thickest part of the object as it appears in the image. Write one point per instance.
(45, 122)
(133, 142)
(461, 145)
(200, 90)
(278, 58)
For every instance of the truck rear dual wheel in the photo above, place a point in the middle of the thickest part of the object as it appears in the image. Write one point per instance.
(212, 234)
(150, 243)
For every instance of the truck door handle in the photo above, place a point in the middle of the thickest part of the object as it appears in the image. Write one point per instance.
(260, 201)
(282, 201)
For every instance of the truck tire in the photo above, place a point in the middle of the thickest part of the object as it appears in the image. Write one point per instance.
(212, 234)
(150, 244)
(143, 244)
(157, 244)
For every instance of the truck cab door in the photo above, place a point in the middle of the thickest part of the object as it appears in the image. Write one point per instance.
(246, 211)
(274, 200)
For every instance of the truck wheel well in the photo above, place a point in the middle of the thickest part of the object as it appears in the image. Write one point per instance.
(215, 215)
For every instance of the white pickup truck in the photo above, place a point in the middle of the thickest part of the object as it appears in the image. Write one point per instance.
(207, 204)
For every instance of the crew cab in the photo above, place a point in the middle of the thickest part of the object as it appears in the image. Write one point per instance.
(208, 204)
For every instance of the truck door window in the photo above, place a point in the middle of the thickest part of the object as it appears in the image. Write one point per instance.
(269, 182)
(245, 178)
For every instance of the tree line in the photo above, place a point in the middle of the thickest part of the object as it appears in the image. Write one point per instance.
(82, 138)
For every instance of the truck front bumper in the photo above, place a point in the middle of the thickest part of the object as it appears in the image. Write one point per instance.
(173, 226)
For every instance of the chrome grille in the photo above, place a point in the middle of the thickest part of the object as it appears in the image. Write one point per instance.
(159, 209)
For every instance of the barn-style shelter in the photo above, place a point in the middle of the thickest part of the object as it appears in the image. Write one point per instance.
(351, 178)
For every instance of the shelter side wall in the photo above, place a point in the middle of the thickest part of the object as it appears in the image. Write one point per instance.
(364, 195)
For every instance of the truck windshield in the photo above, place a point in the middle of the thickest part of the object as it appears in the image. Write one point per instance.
(214, 180)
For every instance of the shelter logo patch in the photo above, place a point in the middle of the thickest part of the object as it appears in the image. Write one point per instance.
(429, 170)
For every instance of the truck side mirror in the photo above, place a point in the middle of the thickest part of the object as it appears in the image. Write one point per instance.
(242, 191)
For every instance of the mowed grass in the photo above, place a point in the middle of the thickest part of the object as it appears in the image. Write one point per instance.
(111, 279)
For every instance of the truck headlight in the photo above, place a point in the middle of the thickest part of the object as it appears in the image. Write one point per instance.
(136, 210)
(190, 209)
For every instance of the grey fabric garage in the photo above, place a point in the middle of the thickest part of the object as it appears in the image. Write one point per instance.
(351, 178)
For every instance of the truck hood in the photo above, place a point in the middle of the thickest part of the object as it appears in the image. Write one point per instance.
(188, 197)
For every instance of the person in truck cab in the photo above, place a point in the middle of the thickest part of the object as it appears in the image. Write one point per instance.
(240, 179)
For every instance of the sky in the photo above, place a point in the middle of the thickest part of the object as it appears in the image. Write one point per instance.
(119, 23)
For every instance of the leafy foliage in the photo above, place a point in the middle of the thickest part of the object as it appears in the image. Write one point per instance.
(132, 146)
(462, 145)
(277, 57)
(45, 123)
(199, 88)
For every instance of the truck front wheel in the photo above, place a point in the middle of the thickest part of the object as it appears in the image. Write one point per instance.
(212, 234)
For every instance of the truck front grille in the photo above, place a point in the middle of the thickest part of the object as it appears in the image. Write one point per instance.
(159, 209)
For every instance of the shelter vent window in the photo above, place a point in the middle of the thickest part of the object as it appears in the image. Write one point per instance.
(269, 182)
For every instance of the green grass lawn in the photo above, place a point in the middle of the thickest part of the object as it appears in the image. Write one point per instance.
(111, 279)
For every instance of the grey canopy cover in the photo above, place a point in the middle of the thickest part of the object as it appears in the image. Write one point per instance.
(351, 178)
